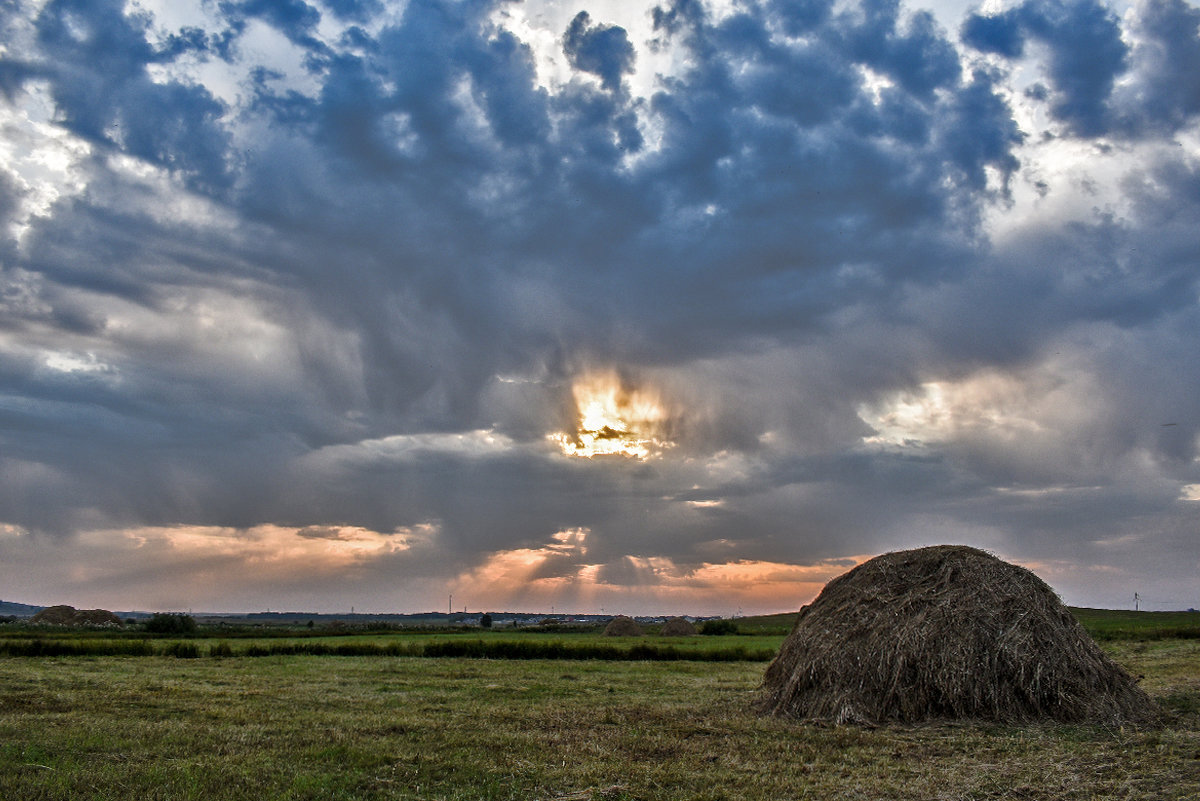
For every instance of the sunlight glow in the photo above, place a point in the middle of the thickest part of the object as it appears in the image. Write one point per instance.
(614, 419)
(559, 573)
(991, 403)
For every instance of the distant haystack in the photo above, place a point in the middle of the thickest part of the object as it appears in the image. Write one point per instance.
(677, 627)
(622, 626)
(63, 615)
(96, 617)
(946, 632)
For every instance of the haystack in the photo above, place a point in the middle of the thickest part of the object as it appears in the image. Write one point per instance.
(63, 615)
(622, 626)
(946, 632)
(677, 627)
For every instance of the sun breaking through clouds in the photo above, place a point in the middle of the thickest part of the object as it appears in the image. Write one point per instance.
(665, 306)
(614, 419)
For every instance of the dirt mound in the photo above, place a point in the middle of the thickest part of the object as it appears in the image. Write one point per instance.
(677, 627)
(63, 615)
(946, 632)
(622, 626)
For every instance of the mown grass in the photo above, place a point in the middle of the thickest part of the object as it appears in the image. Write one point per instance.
(319, 727)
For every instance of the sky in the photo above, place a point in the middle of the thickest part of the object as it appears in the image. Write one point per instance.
(612, 306)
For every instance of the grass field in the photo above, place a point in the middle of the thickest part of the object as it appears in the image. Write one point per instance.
(1109, 624)
(470, 643)
(325, 727)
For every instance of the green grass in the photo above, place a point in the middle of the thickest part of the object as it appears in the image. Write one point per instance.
(1102, 624)
(777, 624)
(317, 727)
(475, 643)
(758, 638)
(1110, 624)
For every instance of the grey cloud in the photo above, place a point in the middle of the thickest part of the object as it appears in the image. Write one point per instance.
(1164, 94)
(603, 50)
(95, 58)
(324, 533)
(295, 19)
(916, 54)
(354, 10)
(1084, 54)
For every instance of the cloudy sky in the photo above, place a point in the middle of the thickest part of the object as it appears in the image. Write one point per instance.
(642, 307)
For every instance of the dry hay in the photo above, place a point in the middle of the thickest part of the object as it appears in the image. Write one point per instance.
(64, 615)
(677, 627)
(622, 626)
(946, 632)
(96, 617)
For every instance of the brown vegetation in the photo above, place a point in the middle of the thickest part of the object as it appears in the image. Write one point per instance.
(946, 632)
(64, 615)
(622, 626)
(677, 627)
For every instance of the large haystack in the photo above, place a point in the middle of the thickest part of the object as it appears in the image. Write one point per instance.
(96, 617)
(677, 627)
(64, 615)
(61, 615)
(946, 632)
(622, 626)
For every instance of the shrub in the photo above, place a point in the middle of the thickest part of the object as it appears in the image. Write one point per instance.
(718, 627)
(171, 623)
(182, 650)
(41, 647)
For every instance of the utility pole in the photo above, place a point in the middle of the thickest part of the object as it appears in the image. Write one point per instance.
(450, 606)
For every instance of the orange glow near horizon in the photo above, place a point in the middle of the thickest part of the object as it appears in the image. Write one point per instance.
(558, 574)
(614, 420)
(226, 569)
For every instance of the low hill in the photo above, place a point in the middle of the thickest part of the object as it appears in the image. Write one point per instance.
(11, 608)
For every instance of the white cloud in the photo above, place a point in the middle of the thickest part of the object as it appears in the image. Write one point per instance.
(45, 162)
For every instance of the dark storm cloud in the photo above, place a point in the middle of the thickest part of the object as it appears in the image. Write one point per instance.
(603, 50)
(95, 59)
(354, 10)
(999, 33)
(369, 308)
(915, 53)
(1085, 55)
(1166, 92)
